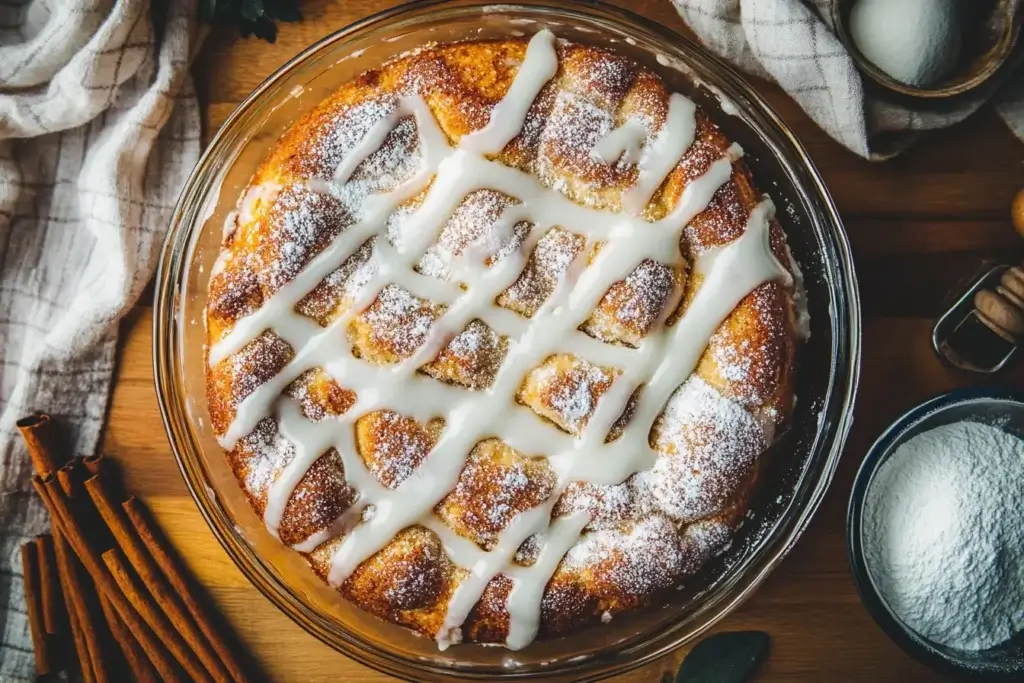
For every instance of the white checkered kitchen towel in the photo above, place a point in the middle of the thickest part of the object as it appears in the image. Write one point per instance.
(99, 128)
(792, 43)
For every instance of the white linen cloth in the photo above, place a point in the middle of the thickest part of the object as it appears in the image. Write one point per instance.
(792, 43)
(99, 129)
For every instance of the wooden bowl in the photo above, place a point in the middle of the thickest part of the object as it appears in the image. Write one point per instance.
(990, 31)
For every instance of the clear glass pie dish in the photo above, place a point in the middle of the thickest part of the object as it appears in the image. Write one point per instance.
(787, 497)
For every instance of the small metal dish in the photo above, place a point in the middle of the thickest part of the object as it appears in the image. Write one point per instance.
(961, 339)
(1004, 407)
(990, 32)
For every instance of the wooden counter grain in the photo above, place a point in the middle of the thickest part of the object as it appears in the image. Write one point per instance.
(918, 224)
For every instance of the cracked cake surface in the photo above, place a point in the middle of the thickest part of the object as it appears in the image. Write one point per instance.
(498, 338)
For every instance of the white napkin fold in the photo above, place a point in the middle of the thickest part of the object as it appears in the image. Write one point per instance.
(792, 43)
(99, 129)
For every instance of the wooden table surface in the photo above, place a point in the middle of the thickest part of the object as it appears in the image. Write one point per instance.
(918, 225)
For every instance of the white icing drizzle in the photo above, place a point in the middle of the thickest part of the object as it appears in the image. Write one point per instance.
(729, 273)
(230, 225)
(262, 193)
(539, 67)
(370, 143)
(662, 154)
(376, 209)
(625, 142)
(529, 582)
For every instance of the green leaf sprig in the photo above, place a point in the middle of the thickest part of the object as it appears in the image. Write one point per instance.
(253, 17)
(724, 658)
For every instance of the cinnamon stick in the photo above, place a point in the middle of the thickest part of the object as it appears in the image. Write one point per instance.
(97, 636)
(83, 600)
(48, 588)
(151, 614)
(93, 463)
(147, 533)
(34, 607)
(141, 669)
(54, 498)
(153, 627)
(39, 435)
(67, 571)
(143, 564)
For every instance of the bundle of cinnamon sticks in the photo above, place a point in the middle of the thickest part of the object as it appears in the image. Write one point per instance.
(106, 599)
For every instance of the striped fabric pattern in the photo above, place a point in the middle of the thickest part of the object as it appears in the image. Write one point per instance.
(792, 43)
(99, 129)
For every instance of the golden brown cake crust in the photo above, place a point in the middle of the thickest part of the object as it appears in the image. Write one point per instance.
(648, 533)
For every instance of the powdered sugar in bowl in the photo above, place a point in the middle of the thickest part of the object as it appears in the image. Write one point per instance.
(935, 533)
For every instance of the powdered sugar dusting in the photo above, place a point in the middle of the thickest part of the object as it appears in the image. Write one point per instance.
(303, 222)
(397, 321)
(495, 486)
(704, 540)
(631, 307)
(733, 361)
(606, 78)
(331, 297)
(472, 358)
(415, 578)
(256, 363)
(235, 288)
(650, 285)
(412, 573)
(393, 446)
(708, 445)
(608, 505)
(641, 561)
(267, 452)
(320, 396)
(566, 390)
(473, 222)
(323, 153)
(527, 553)
(575, 395)
(395, 161)
(318, 501)
(736, 362)
(475, 340)
(573, 128)
(547, 264)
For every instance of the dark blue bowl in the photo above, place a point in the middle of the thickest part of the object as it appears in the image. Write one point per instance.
(992, 405)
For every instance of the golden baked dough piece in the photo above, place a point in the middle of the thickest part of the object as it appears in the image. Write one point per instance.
(409, 582)
(393, 446)
(496, 484)
(646, 534)
(321, 496)
(566, 389)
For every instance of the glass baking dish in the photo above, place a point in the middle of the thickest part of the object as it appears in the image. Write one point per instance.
(807, 454)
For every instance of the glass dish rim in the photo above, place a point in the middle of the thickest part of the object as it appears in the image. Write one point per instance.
(892, 437)
(837, 408)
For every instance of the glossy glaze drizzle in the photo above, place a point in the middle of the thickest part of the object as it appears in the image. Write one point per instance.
(449, 174)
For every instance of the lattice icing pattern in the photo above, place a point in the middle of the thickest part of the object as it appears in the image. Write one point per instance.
(490, 326)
